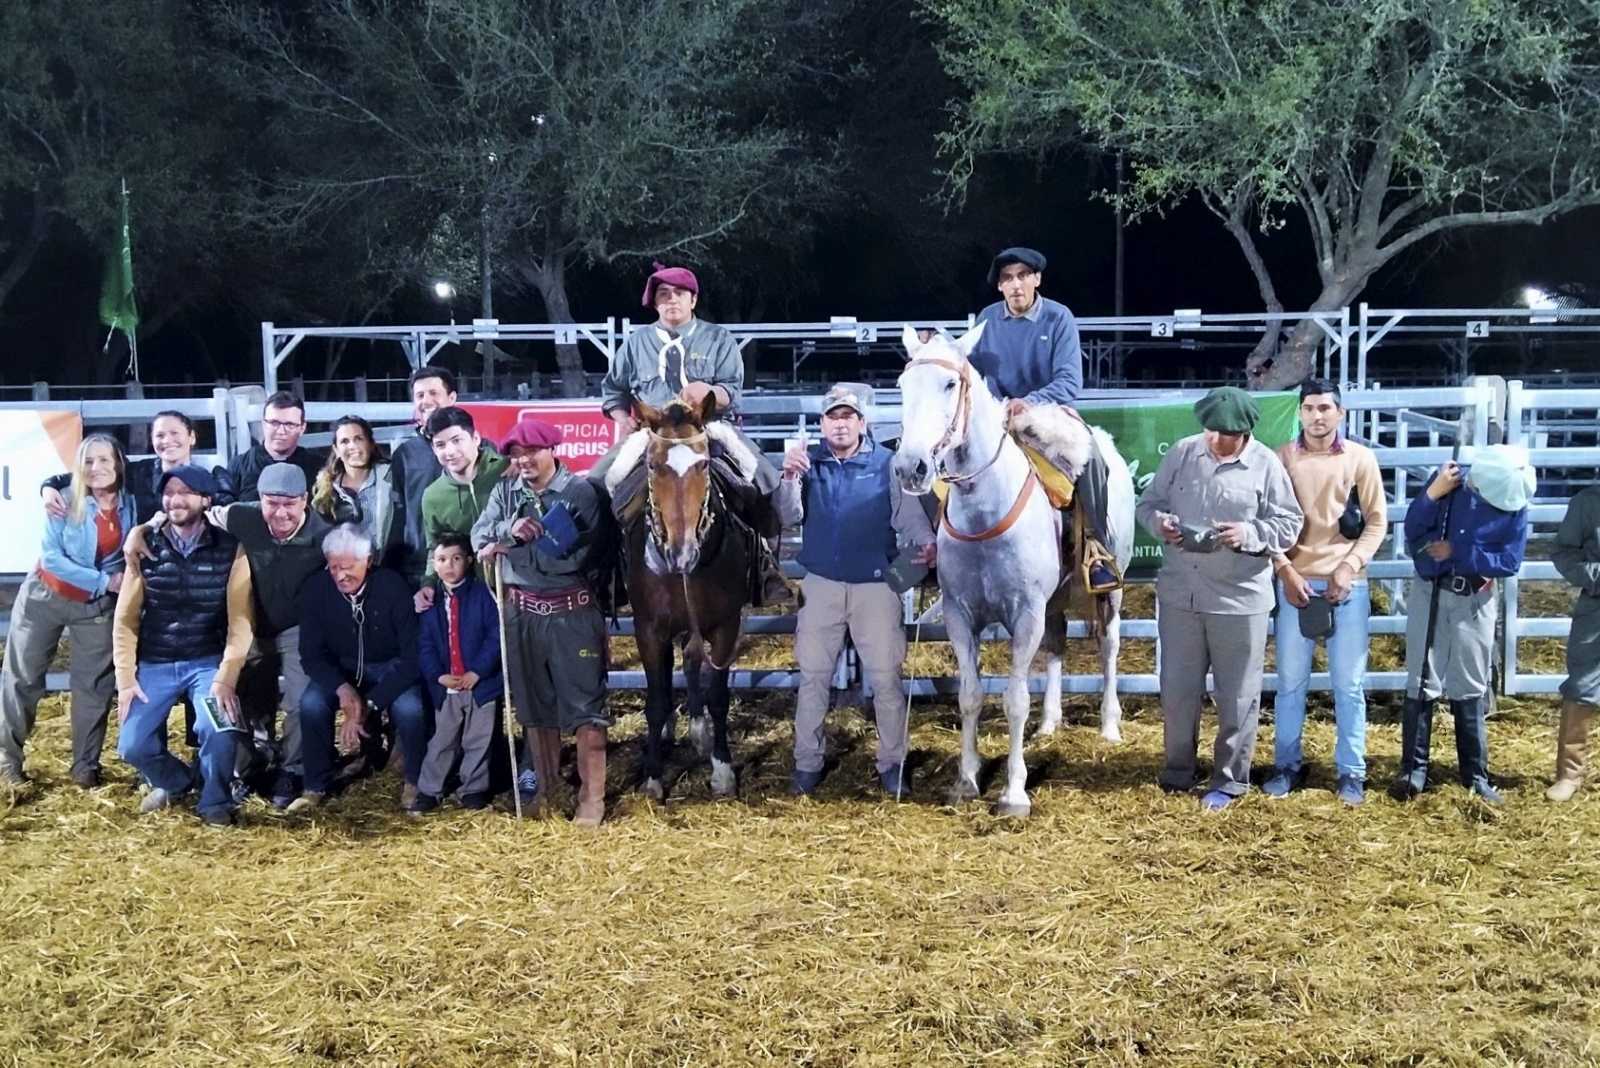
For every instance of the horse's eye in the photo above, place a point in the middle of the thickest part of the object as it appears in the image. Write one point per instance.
(948, 386)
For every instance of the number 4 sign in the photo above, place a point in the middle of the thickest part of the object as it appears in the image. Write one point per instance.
(1477, 328)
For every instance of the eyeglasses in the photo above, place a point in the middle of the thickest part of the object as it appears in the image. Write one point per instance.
(283, 424)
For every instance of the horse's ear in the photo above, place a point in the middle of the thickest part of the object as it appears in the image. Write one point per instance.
(969, 341)
(648, 416)
(708, 407)
(909, 338)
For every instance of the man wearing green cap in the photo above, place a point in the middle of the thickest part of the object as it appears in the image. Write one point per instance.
(1222, 505)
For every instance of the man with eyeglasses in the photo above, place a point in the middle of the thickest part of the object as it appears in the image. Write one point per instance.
(283, 420)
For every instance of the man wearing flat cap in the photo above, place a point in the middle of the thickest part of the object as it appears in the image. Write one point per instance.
(1222, 505)
(855, 521)
(551, 536)
(683, 357)
(1465, 529)
(1029, 355)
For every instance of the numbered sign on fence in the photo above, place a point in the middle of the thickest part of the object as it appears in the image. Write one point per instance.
(1477, 328)
(1161, 328)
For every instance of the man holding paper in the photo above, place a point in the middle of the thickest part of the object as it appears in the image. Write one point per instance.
(555, 536)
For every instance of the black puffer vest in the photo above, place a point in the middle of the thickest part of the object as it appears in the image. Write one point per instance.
(185, 614)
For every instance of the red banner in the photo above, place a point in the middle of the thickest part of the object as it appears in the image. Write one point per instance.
(586, 433)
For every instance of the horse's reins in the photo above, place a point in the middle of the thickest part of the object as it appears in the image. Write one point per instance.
(963, 417)
(702, 525)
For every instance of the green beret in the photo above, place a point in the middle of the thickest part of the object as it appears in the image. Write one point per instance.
(1227, 409)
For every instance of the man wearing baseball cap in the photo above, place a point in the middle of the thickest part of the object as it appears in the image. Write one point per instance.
(554, 542)
(682, 357)
(183, 626)
(1222, 505)
(1029, 355)
(854, 520)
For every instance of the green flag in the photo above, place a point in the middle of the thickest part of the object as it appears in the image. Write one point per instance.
(118, 309)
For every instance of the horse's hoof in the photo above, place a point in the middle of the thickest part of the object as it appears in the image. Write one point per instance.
(1048, 727)
(961, 793)
(1112, 735)
(653, 789)
(724, 783)
(1012, 810)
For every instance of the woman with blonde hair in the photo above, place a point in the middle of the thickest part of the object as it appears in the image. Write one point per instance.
(72, 589)
(355, 486)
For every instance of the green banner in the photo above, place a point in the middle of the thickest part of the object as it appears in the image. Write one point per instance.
(1144, 433)
(118, 309)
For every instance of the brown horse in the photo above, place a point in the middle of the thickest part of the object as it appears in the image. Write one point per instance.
(687, 577)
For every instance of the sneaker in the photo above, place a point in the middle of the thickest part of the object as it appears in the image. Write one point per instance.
(421, 804)
(804, 783)
(1351, 790)
(1216, 801)
(1283, 783)
(892, 782)
(527, 785)
(154, 801)
(309, 801)
(88, 778)
(285, 788)
(241, 791)
(220, 818)
(1486, 793)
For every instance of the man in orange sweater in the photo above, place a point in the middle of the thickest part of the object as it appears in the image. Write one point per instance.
(1321, 581)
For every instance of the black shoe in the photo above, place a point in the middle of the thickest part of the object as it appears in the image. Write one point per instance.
(475, 801)
(421, 804)
(285, 788)
(1403, 789)
(88, 778)
(224, 818)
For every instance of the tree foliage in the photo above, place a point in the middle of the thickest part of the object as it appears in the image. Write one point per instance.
(1380, 123)
(533, 136)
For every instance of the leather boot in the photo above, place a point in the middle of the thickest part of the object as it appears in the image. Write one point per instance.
(546, 743)
(1416, 734)
(1571, 740)
(1472, 748)
(592, 770)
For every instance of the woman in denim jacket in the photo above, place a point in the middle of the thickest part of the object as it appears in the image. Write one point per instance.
(73, 588)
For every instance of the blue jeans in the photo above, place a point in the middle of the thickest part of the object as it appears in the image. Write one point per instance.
(1347, 667)
(319, 708)
(142, 741)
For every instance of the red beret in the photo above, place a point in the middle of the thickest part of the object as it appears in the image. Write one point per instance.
(681, 277)
(532, 434)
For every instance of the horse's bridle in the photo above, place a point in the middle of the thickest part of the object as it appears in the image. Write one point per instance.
(962, 418)
(656, 525)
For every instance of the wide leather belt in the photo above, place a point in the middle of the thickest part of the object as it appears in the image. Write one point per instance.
(549, 604)
(1460, 585)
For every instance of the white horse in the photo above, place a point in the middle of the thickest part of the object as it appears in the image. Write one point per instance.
(999, 543)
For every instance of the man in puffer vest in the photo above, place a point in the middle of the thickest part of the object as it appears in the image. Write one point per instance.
(183, 626)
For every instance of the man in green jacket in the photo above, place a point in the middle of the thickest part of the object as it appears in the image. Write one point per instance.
(470, 471)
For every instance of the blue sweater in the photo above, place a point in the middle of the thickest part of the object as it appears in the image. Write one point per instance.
(1484, 541)
(480, 641)
(848, 534)
(1036, 359)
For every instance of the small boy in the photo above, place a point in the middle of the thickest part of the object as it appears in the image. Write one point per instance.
(460, 656)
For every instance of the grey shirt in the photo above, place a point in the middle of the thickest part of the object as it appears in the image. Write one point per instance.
(638, 373)
(1199, 489)
(526, 564)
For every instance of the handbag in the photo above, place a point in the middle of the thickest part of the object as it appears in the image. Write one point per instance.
(1354, 520)
(1316, 618)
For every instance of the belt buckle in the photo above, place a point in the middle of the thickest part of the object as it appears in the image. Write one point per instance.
(1459, 585)
(544, 608)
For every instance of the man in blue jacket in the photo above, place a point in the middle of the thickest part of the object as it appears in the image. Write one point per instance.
(1029, 355)
(461, 668)
(855, 516)
(358, 646)
(1463, 534)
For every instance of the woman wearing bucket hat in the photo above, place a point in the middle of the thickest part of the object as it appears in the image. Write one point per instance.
(1465, 530)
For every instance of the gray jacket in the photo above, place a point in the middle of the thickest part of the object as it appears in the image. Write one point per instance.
(637, 372)
(526, 564)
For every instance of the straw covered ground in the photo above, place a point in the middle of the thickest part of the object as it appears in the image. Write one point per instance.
(1117, 926)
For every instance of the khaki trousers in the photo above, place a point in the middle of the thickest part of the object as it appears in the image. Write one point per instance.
(38, 619)
(1234, 649)
(872, 615)
(1461, 661)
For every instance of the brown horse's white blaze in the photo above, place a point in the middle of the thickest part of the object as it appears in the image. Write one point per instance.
(678, 482)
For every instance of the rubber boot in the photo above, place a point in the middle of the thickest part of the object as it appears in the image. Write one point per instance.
(1416, 734)
(592, 770)
(1472, 748)
(1571, 740)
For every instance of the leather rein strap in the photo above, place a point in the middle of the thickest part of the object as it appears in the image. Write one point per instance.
(960, 420)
